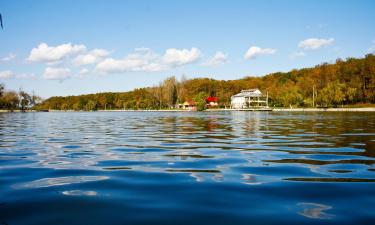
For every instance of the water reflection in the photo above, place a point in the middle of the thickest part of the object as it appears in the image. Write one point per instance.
(80, 193)
(250, 179)
(315, 210)
(199, 143)
(224, 165)
(58, 181)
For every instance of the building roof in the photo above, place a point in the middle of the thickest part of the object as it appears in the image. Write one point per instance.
(249, 93)
(211, 99)
(254, 90)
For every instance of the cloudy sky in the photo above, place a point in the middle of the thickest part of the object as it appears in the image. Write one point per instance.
(73, 47)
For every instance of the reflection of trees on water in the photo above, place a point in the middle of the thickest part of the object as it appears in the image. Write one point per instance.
(206, 124)
(193, 128)
(305, 136)
(249, 124)
(198, 143)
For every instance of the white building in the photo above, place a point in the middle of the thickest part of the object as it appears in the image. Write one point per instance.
(250, 98)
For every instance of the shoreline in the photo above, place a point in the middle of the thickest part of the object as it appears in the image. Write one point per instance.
(365, 109)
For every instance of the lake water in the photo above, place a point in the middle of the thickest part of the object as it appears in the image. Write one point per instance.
(187, 168)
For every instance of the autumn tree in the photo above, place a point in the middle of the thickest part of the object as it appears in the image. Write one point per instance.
(170, 91)
(348, 81)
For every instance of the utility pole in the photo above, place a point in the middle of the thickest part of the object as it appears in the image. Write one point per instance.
(267, 99)
(313, 96)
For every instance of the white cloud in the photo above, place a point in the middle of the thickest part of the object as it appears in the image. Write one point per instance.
(142, 59)
(176, 57)
(54, 73)
(51, 54)
(84, 71)
(315, 43)
(254, 51)
(9, 57)
(219, 58)
(297, 55)
(7, 74)
(92, 57)
(130, 63)
(145, 60)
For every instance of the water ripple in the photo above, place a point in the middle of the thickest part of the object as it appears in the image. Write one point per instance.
(58, 181)
(220, 167)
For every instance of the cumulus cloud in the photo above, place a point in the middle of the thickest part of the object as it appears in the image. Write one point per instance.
(50, 54)
(7, 74)
(9, 57)
(296, 55)
(177, 57)
(315, 43)
(92, 57)
(84, 71)
(219, 58)
(130, 63)
(145, 60)
(54, 73)
(142, 59)
(254, 51)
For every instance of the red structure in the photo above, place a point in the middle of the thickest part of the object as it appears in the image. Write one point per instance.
(211, 101)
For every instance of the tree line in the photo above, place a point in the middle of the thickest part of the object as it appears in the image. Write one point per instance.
(21, 100)
(344, 82)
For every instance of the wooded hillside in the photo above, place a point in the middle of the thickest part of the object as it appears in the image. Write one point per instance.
(347, 81)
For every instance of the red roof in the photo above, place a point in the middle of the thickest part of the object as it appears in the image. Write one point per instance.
(211, 99)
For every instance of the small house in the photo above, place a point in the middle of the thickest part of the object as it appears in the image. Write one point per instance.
(250, 98)
(190, 105)
(211, 101)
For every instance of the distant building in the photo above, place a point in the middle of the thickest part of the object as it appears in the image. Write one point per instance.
(190, 105)
(211, 101)
(250, 98)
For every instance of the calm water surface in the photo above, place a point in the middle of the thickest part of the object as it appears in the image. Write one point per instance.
(187, 168)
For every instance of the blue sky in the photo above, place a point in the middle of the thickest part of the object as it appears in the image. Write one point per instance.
(75, 47)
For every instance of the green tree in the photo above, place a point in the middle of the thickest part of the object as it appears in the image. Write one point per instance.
(9, 100)
(331, 95)
(200, 100)
(91, 105)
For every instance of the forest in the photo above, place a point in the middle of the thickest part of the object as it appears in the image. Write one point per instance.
(345, 82)
(21, 100)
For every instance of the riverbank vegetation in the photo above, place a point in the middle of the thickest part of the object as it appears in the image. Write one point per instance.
(345, 82)
(21, 100)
